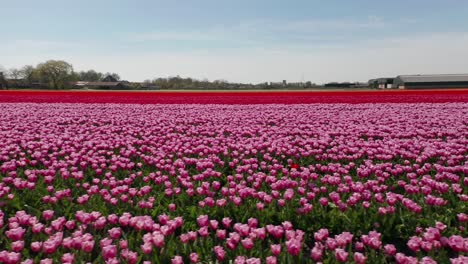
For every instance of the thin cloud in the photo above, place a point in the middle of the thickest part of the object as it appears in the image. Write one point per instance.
(335, 25)
(38, 44)
(434, 53)
(261, 31)
(177, 36)
(349, 61)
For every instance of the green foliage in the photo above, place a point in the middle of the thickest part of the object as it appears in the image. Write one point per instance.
(56, 73)
(90, 76)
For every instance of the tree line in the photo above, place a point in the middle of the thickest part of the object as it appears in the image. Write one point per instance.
(177, 82)
(53, 74)
(59, 74)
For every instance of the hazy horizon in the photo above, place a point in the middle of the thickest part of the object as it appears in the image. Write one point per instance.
(240, 41)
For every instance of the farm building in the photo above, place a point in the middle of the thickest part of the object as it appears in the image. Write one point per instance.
(381, 83)
(148, 86)
(107, 83)
(436, 81)
(103, 85)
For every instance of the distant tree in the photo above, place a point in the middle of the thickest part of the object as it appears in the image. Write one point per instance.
(136, 86)
(27, 73)
(56, 73)
(74, 77)
(114, 75)
(90, 76)
(2, 77)
(220, 84)
(339, 85)
(14, 74)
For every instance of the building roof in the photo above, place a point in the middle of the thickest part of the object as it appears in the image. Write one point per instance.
(385, 80)
(109, 78)
(106, 84)
(382, 80)
(434, 78)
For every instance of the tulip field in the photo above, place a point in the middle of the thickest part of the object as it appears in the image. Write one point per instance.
(238, 178)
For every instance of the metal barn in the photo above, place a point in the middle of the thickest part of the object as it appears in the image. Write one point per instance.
(381, 83)
(436, 81)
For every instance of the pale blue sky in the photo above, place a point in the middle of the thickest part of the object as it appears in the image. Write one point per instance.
(242, 40)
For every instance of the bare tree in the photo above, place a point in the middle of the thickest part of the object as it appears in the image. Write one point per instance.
(14, 73)
(27, 73)
(3, 83)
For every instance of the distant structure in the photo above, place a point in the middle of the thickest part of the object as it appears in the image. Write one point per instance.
(278, 84)
(3, 83)
(381, 83)
(360, 85)
(345, 85)
(102, 85)
(148, 86)
(108, 83)
(435, 81)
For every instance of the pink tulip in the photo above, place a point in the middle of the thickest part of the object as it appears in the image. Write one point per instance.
(293, 246)
(341, 255)
(68, 258)
(275, 249)
(220, 253)
(202, 221)
(109, 252)
(427, 260)
(459, 260)
(147, 248)
(47, 215)
(221, 234)
(15, 234)
(414, 243)
(123, 244)
(17, 246)
(253, 261)
(247, 243)
(115, 233)
(177, 260)
(158, 240)
(172, 207)
(359, 258)
(226, 222)
(240, 260)
(462, 217)
(271, 260)
(88, 246)
(36, 246)
(390, 249)
(321, 234)
(193, 257)
(457, 243)
(316, 253)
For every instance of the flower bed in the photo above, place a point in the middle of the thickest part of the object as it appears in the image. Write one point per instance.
(231, 97)
(184, 183)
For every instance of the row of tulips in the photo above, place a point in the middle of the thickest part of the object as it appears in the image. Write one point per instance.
(236, 97)
(134, 239)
